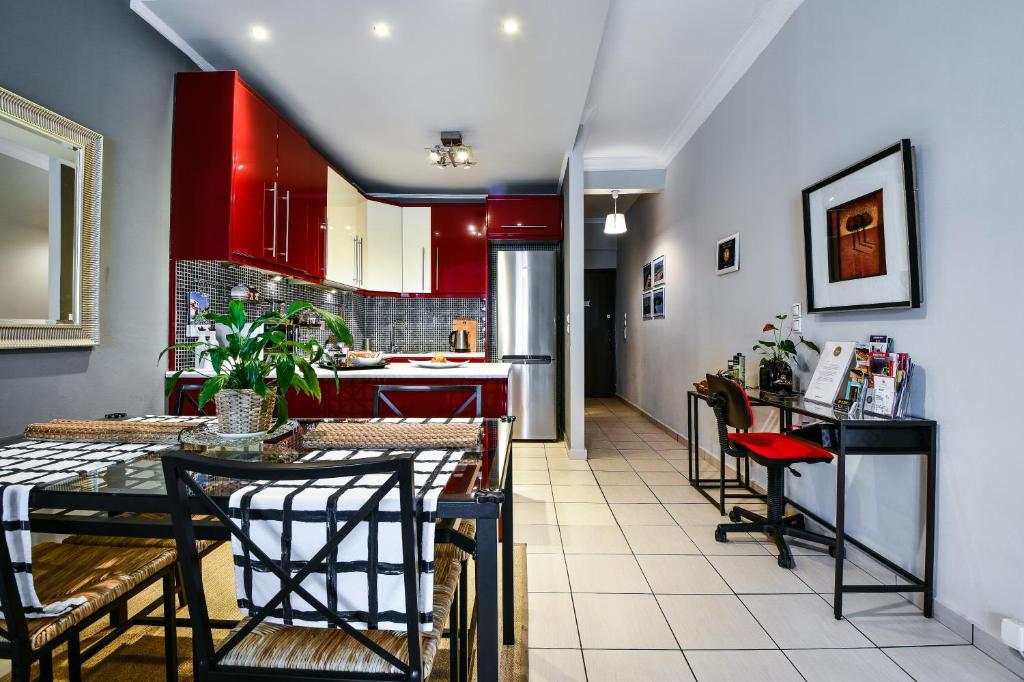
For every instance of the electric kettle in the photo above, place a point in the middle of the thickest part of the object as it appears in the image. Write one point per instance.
(458, 341)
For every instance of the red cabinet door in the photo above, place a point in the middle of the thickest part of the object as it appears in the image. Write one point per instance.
(458, 240)
(292, 175)
(524, 217)
(316, 215)
(254, 177)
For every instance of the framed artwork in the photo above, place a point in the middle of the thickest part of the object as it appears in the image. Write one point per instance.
(658, 271)
(728, 254)
(658, 302)
(647, 305)
(647, 276)
(861, 235)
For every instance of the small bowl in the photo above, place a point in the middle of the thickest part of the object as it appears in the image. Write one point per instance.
(368, 361)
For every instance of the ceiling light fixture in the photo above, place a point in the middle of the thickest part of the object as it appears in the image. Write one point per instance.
(510, 26)
(615, 222)
(259, 33)
(451, 152)
(381, 30)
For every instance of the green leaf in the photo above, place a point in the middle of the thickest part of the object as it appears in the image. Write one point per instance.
(171, 381)
(282, 411)
(810, 344)
(285, 373)
(211, 387)
(236, 311)
(770, 344)
(780, 317)
(298, 306)
(788, 346)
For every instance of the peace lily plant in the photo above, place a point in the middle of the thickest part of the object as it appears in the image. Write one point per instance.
(242, 369)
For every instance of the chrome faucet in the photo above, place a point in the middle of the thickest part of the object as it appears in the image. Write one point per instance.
(394, 326)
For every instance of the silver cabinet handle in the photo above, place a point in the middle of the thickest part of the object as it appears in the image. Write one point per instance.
(423, 269)
(273, 245)
(355, 259)
(287, 221)
(437, 269)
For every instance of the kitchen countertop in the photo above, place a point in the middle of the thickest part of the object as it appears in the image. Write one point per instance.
(426, 356)
(405, 370)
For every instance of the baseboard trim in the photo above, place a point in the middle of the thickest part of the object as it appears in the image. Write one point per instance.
(578, 453)
(654, 420)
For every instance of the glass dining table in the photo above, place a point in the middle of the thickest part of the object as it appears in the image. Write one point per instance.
(129, 500)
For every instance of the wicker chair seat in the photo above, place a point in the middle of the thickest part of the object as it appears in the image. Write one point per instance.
(100, 574)
(122, 541)
(287, 647)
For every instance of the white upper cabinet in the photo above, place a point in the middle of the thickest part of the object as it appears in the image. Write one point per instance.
(416, 256)
(346, 231)
(383, 271)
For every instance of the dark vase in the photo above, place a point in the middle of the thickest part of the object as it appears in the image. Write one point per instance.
(776, 376)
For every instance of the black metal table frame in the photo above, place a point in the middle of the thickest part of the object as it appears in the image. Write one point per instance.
(486, 506)
(878, 437)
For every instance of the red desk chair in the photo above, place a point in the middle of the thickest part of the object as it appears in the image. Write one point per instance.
(774, 451)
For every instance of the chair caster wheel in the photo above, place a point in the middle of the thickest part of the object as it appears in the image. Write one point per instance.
(734, 516)
(786, 562)
(720, 535)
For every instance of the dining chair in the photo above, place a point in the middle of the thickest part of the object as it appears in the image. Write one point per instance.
(475, 398)
(188, 393)
(106, 578)
(260, 650)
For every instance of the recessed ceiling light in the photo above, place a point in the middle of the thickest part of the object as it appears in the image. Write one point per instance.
(381, 30)
(259, 33)
(510, 26)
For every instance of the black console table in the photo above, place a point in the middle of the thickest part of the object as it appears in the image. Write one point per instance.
(842, 434)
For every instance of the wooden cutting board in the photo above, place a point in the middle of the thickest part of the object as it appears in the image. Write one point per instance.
(469, 326)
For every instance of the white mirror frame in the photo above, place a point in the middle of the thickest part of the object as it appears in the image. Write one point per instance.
(85, 332)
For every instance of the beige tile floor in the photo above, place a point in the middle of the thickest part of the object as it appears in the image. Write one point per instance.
(627, 582)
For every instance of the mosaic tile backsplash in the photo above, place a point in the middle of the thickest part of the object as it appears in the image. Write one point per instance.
(413, 325)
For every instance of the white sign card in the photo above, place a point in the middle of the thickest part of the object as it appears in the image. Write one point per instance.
(830, 374)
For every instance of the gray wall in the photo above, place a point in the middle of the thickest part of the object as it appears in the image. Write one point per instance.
(839, 82)
(97, 63)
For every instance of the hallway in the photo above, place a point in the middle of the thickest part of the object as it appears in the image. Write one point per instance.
(627, 582)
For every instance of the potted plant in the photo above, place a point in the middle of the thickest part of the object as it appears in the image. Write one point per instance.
(776, 373)
(259, 365)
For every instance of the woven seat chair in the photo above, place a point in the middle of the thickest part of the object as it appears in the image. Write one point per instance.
(106, 577)
(260, 650)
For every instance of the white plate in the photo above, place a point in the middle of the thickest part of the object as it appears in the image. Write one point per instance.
(447, 364)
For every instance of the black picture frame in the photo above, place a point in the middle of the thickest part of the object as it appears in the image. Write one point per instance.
(913, 294)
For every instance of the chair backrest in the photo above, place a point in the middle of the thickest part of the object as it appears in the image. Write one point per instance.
(190, 393)
(188, 498)
(475, 397)
(15, 628)
(735, 402)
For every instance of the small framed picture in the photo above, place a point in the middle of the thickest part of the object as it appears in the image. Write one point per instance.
(658, 302)
(728, 254)
(658, 271)
(647, 305)
(647, 276)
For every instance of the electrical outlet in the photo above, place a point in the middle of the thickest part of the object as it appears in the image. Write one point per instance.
(797, 310)
(798, 325)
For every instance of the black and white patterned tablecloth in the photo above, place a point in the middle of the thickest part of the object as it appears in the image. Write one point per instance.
(31, 463)
(362, 580)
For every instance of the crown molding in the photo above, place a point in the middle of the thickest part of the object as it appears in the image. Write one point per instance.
(158, 24)
(750, 46)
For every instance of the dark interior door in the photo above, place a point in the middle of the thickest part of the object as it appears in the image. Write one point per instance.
(599, 331)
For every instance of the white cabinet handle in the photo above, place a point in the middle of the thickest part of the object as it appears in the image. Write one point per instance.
(287, 221)
(273, 245)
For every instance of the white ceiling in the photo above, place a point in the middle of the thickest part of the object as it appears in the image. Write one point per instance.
(663, 67)
(642, 75)
(371, 105)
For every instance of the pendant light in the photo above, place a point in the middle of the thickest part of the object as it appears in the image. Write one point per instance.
(615, 222)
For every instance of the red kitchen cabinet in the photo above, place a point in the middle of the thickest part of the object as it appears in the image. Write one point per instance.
(244, 185)
(458, 240)
(524, 217)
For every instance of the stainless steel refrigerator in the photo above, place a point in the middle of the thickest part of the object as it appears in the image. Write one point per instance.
(527, 286)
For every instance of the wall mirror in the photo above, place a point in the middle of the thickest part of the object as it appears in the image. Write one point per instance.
(50, 184)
